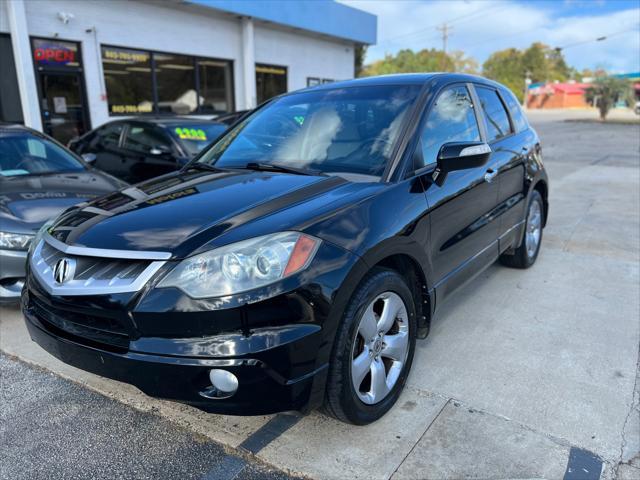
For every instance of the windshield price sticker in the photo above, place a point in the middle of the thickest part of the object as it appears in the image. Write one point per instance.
(191, 134)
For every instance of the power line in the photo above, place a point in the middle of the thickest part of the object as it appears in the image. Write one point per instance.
(476, 14)
(598, 39)
(500, 37)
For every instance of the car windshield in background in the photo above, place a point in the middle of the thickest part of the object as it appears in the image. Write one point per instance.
(342, 130)
(196, 137)
(25, 154)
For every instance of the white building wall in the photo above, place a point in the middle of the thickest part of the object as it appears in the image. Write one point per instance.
(304, 55)
(184, 29)
(4, 17)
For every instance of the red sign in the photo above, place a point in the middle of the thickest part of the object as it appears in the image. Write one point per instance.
(54, 56)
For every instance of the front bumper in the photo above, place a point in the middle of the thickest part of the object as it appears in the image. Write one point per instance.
(262, 390)
(278, 345)
(12, 273)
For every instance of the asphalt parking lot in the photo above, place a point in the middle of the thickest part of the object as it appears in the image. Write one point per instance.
(526, 374)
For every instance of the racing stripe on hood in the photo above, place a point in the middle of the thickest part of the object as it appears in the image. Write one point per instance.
(264, 209)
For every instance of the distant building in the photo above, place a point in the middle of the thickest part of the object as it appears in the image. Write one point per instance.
(569, 94)
(558, 95)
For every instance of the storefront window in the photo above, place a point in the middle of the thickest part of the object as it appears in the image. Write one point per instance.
(176, 83)
(215, 86)
(270, 81)
(127, 76)
(140, 81)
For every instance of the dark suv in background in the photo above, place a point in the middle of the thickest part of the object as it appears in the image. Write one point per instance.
(296, 261)
(143, 148)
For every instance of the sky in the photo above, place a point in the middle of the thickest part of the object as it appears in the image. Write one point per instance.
(480, 27)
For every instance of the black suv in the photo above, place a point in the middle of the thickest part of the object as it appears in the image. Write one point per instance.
(295, 262)
(145, 147)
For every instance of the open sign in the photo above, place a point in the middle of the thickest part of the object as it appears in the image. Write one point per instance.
(54, 55)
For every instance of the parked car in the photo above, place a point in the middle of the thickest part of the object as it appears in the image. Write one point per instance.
(296, 261)
(142, 148)
(39, 178)
(231, 118)
(637, 108)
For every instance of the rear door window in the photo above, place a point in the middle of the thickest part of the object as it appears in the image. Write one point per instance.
(495, 114)
(451, 119)
(142, 138)
(109, 135)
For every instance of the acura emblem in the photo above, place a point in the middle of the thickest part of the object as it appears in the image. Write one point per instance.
(64, 270)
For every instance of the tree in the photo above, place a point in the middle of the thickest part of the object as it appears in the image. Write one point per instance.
(358, 58)
(606, 91)
(427, 60)
(506, 67)
(464, 64)
(539, 62)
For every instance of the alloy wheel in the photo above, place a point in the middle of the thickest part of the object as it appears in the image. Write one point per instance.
(534, 228)
(380, 348)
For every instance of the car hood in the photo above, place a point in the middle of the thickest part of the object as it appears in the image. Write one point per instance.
(184, 211)
(26, 202)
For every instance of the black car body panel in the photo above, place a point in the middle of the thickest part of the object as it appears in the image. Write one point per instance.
(278, 339)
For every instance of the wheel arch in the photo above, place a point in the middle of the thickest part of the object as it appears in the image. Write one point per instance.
(541, 187)
(409, 268)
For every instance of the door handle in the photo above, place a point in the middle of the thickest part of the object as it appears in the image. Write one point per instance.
(490, 175)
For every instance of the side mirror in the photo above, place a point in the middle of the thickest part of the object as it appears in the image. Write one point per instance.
(460, 156)
(89, 157)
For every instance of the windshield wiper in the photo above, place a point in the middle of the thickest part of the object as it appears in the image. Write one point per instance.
(274, 167)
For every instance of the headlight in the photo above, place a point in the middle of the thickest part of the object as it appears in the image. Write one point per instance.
(15, 241)
(243, 265)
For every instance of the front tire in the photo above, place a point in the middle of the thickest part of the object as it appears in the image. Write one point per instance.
(526, 253)
(373, 349)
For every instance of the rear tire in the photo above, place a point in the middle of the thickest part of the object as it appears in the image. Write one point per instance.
(373, 349)
(526, 253)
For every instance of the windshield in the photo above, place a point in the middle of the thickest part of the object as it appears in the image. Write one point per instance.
(351, 130)
(26, 154)
(196, 137)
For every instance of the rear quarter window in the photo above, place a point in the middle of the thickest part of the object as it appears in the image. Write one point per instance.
(517, 115)
(495, 115)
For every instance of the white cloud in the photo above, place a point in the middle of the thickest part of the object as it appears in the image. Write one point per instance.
(486, 26)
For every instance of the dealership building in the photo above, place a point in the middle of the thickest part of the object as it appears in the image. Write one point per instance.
(68, 66)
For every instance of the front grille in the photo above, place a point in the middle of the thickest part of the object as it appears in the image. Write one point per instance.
(95, 268)
(92, 330)
(90, 274)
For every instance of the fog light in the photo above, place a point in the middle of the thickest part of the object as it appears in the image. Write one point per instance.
(224, 381)
(223, 385)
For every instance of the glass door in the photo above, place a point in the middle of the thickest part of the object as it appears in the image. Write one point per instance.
(62, 107)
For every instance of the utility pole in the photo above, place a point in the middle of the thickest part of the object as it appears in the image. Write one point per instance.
(446, 31)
